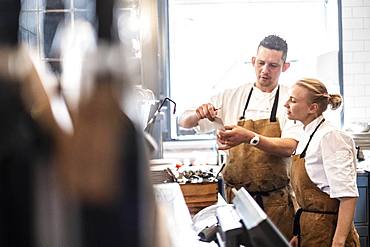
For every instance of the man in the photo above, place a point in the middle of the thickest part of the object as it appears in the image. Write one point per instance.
(263, 139)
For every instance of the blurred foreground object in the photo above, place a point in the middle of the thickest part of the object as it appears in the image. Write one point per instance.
(25, 146)
(77, 176)
(85, 187)
(103, 164)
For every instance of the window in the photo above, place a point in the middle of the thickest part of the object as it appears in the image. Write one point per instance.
(39, 20)
(211, 43)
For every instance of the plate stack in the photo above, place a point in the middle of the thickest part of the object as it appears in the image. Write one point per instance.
(362, 139)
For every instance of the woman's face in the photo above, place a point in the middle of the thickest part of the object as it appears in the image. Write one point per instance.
(297, 105)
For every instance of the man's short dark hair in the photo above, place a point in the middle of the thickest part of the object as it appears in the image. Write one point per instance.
(274, 42)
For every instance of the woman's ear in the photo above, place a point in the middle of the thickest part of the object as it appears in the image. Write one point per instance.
(314, 107)
(285, 66)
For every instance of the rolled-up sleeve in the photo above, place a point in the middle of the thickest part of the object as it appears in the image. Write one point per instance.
(339, 163)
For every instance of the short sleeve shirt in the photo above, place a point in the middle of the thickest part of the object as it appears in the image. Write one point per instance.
(330, 159)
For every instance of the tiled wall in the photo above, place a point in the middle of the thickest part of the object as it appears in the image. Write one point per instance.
(356, 59)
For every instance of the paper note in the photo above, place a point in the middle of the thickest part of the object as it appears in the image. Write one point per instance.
(218, 123)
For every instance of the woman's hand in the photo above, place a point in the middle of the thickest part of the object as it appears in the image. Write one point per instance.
(232, 136)
(338, 244)
(294, 241)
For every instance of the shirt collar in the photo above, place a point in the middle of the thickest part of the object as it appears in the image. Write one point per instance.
(272, 94)
(311, 126)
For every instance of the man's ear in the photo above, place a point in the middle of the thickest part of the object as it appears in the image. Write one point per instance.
(286, 66)
(253, 60)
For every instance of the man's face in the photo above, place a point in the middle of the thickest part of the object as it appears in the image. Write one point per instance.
(268, 64)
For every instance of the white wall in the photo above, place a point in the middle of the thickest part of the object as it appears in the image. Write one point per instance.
(356, 59)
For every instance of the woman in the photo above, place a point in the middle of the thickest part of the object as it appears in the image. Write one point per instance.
(323, 173)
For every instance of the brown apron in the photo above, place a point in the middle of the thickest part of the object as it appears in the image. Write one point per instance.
(316, 220)
(263, 175)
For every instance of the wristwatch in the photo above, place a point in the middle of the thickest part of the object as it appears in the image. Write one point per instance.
(255, 140)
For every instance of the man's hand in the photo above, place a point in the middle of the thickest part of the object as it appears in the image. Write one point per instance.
(190, 118)
(206, 111)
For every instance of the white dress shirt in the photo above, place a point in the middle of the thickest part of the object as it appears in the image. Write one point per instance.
(232, 103)
(330, 159)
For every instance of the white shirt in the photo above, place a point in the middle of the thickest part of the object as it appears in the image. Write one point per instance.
(330, 159)
(232, 103)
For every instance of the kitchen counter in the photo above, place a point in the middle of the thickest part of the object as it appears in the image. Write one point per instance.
(178, 220)
(184, 232)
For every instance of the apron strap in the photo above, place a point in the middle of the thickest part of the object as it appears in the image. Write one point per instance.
(257, 195)
(303, 154)
(246, 103)
(274, 106)
(297, 218)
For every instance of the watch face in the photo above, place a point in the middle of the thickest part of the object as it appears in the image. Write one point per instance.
(255, 140)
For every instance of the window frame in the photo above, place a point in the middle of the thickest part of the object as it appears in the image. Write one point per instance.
(166, 80)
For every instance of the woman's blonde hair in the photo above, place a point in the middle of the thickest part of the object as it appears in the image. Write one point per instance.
(319, 94)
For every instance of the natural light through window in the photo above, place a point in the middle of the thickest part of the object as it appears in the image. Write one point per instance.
(212, 42)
